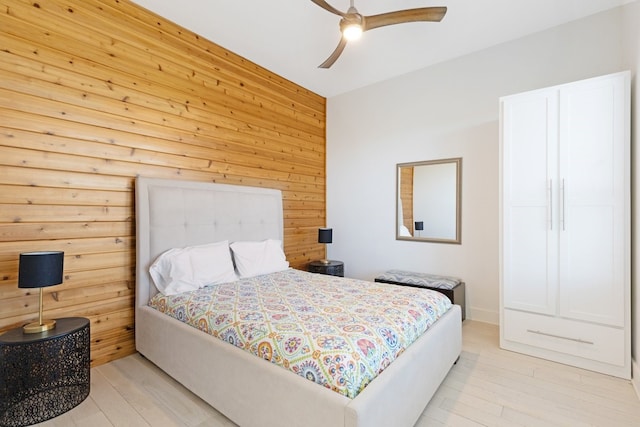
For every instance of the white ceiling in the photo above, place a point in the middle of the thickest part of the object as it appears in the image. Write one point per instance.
(292, 37)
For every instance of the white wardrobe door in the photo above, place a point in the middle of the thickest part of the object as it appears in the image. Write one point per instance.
(592, 210)
(529, 221)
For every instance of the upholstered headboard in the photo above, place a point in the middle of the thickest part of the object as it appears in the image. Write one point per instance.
(175, 213)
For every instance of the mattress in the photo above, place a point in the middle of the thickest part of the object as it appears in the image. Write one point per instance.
(338, 332)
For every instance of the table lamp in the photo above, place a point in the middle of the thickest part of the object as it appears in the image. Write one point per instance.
(419, 225)
(39, 270)
(325, 235)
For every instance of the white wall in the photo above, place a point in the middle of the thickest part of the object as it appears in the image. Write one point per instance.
(434, 200)
(448, 110)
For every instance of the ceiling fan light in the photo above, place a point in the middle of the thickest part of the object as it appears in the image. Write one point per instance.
(352, 32)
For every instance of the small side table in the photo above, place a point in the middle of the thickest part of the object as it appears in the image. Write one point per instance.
(45, 374)
(332, 268)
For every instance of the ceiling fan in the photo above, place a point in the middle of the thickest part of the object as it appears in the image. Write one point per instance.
(352, 24)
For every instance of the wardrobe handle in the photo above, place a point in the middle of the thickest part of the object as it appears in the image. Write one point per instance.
(581, 341)
(563, 207)
(551, 204)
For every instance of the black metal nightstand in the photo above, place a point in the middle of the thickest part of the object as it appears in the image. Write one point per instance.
(45, 374)
(332, 268)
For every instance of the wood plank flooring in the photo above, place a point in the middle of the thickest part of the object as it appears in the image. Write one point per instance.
(487, 387)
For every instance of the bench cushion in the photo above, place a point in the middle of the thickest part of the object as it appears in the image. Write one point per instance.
(420, 279)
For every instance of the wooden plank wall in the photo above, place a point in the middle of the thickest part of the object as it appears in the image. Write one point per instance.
(406, 196)
(94, 92)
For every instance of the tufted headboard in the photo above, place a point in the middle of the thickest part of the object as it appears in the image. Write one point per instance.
(178, 213)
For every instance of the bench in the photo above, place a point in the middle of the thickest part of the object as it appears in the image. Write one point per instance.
(452, 287)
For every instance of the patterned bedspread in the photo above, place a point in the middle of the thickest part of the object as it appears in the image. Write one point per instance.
(335, 331)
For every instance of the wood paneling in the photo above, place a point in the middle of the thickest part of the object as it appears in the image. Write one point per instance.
(95, 92)
(406, 197)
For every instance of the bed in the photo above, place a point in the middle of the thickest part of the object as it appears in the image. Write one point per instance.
(247, 389)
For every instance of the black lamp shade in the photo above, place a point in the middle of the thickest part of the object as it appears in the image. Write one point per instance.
(40, 269)
(419, 225)
(325, 235)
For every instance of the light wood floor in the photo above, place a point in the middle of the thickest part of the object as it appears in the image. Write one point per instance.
(487, 387)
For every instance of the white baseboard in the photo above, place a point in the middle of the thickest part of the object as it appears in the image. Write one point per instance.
(635, 374)
(482, 315)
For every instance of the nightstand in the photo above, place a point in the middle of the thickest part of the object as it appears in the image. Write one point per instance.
(45, 374)
(332, 268)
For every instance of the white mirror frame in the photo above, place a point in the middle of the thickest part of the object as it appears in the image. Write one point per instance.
(450, 202)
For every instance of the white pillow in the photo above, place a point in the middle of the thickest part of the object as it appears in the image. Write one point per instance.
(186, 269)
(255, 258)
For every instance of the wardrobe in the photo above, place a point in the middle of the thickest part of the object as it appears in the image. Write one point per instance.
(565, 258)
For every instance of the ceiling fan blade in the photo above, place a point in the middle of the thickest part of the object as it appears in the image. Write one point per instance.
(334, 56)
(326, 6)
(431, 14)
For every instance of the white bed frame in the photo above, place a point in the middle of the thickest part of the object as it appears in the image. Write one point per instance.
(248, 390)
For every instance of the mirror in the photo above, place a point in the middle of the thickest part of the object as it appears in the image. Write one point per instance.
(428, 201)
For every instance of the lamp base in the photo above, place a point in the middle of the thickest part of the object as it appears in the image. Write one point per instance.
(36, 327)
(325, 261)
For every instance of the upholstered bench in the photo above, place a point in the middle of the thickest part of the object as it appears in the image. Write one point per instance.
(452, 287)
